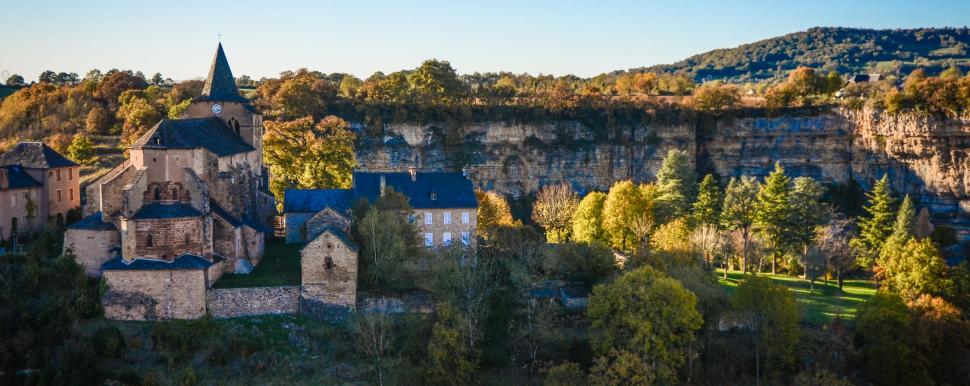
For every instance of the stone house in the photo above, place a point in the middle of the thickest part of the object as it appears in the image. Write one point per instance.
(189, 204)
(40, 185)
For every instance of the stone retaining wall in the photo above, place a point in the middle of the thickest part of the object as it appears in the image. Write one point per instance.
(236, 302)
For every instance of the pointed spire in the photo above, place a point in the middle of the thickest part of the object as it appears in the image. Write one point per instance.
(220, 85)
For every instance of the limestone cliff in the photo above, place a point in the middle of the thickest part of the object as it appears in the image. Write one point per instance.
(923, 157)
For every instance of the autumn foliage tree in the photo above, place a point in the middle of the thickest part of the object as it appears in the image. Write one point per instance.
(307, 154)
(553, 210)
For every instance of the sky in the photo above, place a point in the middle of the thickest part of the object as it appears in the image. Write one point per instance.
(177, 38)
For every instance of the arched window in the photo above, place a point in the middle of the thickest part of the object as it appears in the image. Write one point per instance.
(328, 263)
(158, 194)
(149, 242)
(234, 124)
(188, 239)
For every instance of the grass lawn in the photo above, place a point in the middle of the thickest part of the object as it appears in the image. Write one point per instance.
(280, 266)
(820, 305)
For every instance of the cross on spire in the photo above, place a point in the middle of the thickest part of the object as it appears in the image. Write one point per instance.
(220, 37)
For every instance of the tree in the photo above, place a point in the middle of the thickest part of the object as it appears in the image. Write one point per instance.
(770, 311)
(628, 215)
(582, 263)
(388, 241)
(913, 267)
(81, 150)
(807, 211)
(740, 205)
(309, 155)
(619, 368)
(774, 213)
(715, 96)
(875, 228)
(940, 340)
(436, 82)
(675, 186)
(493, 212)
(375, 334)
(15, 80)
(709, 241)
(881, 329)
(553, 210)
(834, 241)
(646, 313)
(349, 86)
(449, 361)
(905, 220)
(707, 207)
(588, 218)
(670, 246)
(296, 94)
(564, 374)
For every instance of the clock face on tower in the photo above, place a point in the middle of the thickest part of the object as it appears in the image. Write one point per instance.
(216, 108)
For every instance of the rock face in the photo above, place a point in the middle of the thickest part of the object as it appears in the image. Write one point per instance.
(923, 157)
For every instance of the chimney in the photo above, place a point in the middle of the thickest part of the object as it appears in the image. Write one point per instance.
(383, 183)
(414, 174)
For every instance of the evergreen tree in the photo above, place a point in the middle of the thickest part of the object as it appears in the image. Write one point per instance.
(808, 213)
(707, 207)
(675, 186)
(774, 213)
(905, 220)
(740, 199)
(875, 228)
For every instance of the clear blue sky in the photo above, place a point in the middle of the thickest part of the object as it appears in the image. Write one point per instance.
(177, 38)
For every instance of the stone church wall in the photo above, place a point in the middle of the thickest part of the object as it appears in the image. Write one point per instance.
(104, 195)
(336, 285)
(237, 302)
(92, 248)
(154, 294)
(170, 237)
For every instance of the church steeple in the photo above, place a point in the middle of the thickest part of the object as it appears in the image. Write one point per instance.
(220, 85)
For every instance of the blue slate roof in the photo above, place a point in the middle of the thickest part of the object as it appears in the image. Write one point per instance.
(184, 262)
(34, 155)
(428, 190)
(159, 210)
(340, 234)
(210, 133)
(314, 200)
(93, 222)
(220, 85)
(19, 179)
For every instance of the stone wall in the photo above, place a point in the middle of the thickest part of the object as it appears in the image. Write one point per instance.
(154, 294)
(329, 271)
(92, 247)
(170, 237)
(438, 228)
(237, 302)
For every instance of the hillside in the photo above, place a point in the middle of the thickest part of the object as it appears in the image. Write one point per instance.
(846, 50)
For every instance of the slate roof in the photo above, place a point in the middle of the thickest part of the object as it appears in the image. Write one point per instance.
(159, 210)
(236, 222)
(34, 155)
(209, 133)
(19, 179)
(220, 84)
(339, 233)
(314, 200)
(186, 261)
(93, 222)
(450, 190)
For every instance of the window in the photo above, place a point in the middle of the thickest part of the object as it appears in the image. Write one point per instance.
(70, 194)
(158, 194)
(70, 174)
(446, 238)
(328, 263)
(60, 194)
(434, 196)
(465, 217)
(188, 239)
(58, 174)
(428, 218)
(447, 217)
(466, 238)
(149, 242)
(411, 218)
(13, 200)
(428, 239)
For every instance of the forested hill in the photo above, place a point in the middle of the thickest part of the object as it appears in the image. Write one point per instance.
(846, 50)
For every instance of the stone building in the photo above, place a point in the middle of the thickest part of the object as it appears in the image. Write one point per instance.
(189, 204)
(41, 187)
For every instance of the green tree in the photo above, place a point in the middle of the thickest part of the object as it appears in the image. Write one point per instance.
(309, 155)
(349, 86)
(774, 213)
(646, 313)
(628, 215)
(770, 310)
(875, 228)
(905, 220)
(707, 207)
(881, 331)
(715, 96)
(740, 206)
(583, 263)
(620, 368)
(449, 361)
(436, 82)
(564, 374)
(675, 186)
(553, 210)
(388, 242)
(15, 80)
(913, 267)
(588, 218)
(81, 150)
(375, 335)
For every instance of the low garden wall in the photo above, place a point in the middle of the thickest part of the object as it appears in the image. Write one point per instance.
(236, 302)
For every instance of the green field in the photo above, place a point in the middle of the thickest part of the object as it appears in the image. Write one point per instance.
(280, 267)
(821, 304)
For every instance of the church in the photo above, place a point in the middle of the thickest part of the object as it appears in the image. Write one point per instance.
(189, 204)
